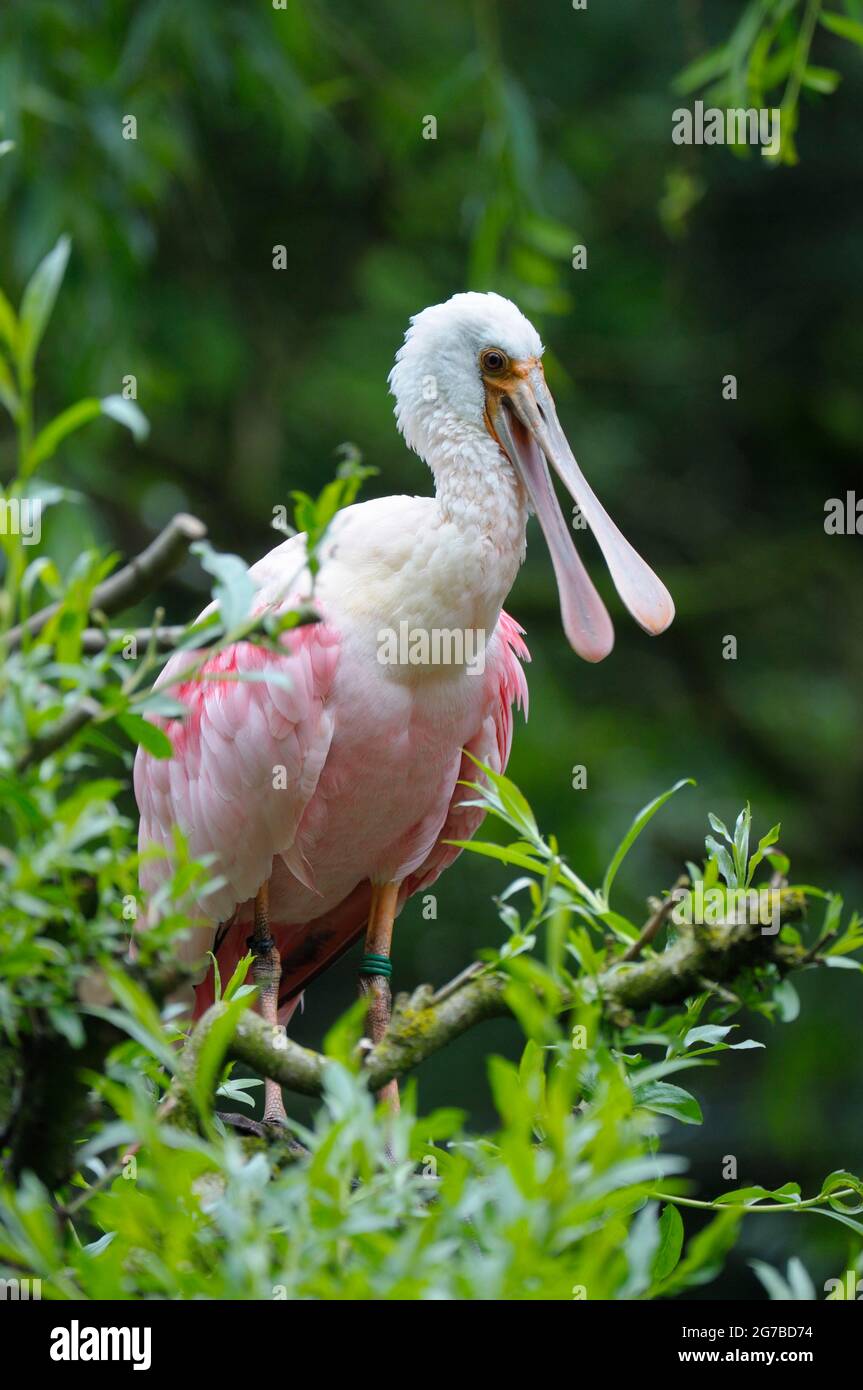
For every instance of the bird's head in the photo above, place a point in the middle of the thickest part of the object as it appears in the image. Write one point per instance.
(471, 369)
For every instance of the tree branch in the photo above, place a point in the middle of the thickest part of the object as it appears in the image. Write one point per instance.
(134, 581)
(655, 921)
(60, 732)
(425, 1022)
(164, 639)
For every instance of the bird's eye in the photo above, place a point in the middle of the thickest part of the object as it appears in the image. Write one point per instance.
(493, 360)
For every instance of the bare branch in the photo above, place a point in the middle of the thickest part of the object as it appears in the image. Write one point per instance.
(164, 639)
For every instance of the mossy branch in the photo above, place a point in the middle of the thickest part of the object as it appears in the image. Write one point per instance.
(425, 1022)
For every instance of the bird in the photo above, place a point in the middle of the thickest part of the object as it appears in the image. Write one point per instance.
(323, 781)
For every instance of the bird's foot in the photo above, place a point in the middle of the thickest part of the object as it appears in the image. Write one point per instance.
(375, 985)
(267, 974)
(375, 971)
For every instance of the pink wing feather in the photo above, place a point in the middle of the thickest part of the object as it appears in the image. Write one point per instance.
(246, 762)
(491, 745)
(219, 789)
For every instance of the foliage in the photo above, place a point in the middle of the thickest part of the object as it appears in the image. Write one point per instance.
(572, 1195)
(544, 142)
(766, 61)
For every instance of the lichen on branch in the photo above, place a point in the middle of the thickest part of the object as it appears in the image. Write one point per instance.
(425, 1022)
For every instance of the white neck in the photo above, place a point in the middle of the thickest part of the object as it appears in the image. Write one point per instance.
(481, 518)
(432, 564)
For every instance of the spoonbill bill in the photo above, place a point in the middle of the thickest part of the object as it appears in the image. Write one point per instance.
(326, 799)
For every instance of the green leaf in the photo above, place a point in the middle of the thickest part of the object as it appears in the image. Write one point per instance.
(779, 863)
(798, 1286)
(138, 1017)
(751, 1196)
(237, 1091)
(126, 413)
(856, 1226)
(506, 854)
(722, 859)
(705, 1253)
(47, 440)
(38, 301)
(663, 1098)
(777, 1289)
(645, 814)
(741, 843)
(211, 1055)
(788, 1001)
(340, 1041)
(763, 846)
(238, 979)
(703, 70)
(151, 738)
(505, 798)
(8, 325)
(801, 1285)
(845, 28)
(234, 589)
(707, 1032)
(165, 706)
(821, 79)
(642, 1247)
(670, 1243)
(836, 1181)
(719, 826)
(8, 389)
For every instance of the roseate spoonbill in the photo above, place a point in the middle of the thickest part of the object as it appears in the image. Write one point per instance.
(328, 800)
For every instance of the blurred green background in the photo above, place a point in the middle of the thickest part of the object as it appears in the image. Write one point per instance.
(303, 127)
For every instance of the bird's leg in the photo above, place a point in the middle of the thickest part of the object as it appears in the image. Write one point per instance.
(267, 972)
(375, 972)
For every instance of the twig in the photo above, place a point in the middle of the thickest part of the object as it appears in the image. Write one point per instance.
(810, 1204)
(814, 952)
(653, 924)
(133, 582)
(164, 639)
(60, 732)
(456, 983)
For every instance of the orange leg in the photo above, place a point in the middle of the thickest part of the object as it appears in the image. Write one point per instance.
(375, 983)
(267, 972)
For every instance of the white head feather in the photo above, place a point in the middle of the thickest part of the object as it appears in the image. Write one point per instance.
(436, 379)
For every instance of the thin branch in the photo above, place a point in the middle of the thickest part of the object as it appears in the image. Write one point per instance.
(134, 581)
(425, 1022)
(164, 639)
(61, 731)
(653, 924)
(815, 952)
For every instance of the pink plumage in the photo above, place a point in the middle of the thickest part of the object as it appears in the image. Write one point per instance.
(325, 779)
(298, 781)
